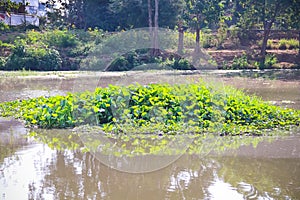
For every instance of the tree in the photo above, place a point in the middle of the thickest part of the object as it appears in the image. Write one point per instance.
(267, 13)
(202, 13)
(153, 28)
(10, 6)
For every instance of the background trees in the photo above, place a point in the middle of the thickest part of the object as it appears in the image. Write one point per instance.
(217, 16)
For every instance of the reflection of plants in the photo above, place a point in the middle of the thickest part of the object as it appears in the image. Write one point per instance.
(173, 109)
(57, 139)
(140, 144)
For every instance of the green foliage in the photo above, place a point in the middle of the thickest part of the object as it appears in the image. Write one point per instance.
(155, 107)
(51, 50)
(9, 5)
(282, 44)
(2, 62)
(56, 38)
(31, 57)
(270, 60)
(238, 63)
(208, 40)
(221, 33)
(6, 45)
(3, 27)
(288, 44)
(141, 60)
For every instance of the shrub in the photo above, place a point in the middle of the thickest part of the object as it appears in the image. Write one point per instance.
(240, 62)
(293, 43)
(56, 38)
(61, 38)
(33, 58)
(208, 40)
(3, 26)
(2, 63)
(270, 44)
(182, 64)
(283, 44)
(270, 60)
(120, 64)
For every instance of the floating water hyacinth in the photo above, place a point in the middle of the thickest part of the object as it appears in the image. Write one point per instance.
(153, 108)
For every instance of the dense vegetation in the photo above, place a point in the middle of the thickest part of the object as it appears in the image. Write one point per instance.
(48, 50)
(70, 28)
(193, 108)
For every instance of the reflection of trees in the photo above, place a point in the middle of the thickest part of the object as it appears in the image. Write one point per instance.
(76, 175)
(265, 174)
(82, 176)
(12, 137)
(72, 174)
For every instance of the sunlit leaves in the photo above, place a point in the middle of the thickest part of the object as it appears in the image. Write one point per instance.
(154, 108)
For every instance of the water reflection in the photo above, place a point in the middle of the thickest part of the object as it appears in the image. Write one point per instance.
(54, 174)
(56, 165)
(64, 171)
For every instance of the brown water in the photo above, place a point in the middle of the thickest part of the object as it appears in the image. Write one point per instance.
(52, 166)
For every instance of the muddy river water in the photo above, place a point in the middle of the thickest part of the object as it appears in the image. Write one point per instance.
(51, 164)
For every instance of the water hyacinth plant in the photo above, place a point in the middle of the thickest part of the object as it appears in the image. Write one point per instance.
(185, 108)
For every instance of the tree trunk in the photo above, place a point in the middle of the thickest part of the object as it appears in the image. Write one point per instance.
(24, 3)
(267, 30)
(156, 46)
(180, 39)
(150, 27)
(299, 46)
(150, 15)
(197, 48)
(264, 44)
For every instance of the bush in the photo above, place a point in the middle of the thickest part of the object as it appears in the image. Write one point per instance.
(283, 44)
(293, 43)
(120, 64)
(182, 64)
(2, 63)
(61, 38)
(33, 58)
(270, 60)
(3, 26)
(240, 62)
(56, 38)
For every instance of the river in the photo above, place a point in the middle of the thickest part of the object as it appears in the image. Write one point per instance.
(52, 164)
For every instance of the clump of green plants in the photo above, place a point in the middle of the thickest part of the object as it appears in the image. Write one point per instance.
(270, 60)
(3, 26)
(239, 62)
(142, 59)
(192, 108)
(33, 57)
(50, 49)
(282, 44)
(2, 62)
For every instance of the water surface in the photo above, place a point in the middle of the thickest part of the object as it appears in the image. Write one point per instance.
(52, 165)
